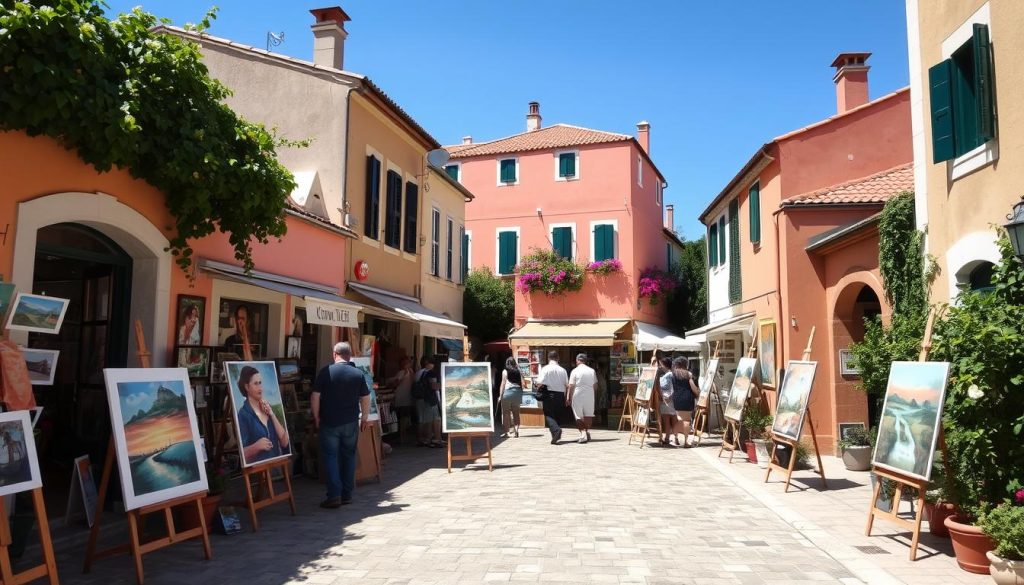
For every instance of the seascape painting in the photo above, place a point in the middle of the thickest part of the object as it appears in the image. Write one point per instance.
(41, 364)
(156, 435)
(740, 388)
(707, 382)
(794, 396)
(466, 404)
(257, 407)
(766, 353)
(37, 313)
(911, 415)
(19, 465)
(363, 363)
(645, 384)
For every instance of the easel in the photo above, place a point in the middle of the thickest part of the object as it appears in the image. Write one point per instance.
(135, 546)
(732, 427)
(643, 432)
(701, 416)
(776, 439)
(469, 436)
(628, 410)
(901, 480)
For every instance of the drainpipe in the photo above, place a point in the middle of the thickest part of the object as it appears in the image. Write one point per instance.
(783, 329)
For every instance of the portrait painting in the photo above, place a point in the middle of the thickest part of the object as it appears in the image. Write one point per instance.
(740, 388)
(707, 382)
(911, 415)
(794, 396)
(156, 434)
(19, 465)
(363, 363)
(195, 359)
(766, 353)
(630, 373)
(257, 408)
(240, 321)
(191, 315)
(37, 313)
(645, 383)
(466, 404)
(41, 364)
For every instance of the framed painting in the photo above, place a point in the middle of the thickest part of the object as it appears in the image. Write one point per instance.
(19, 464)
(645, 383)
(6, 294)
(257, 408)
(241, 319)
(911, 415)
(156, 434)
(363, 363)
(847, 367)
(846, 427)
(466, 404)
(740, 388)
(41, 364)
(37, 313)
(766, 353)
(217, 367)
(707, 382)
(191, 316)
(287, 369)
(643, 416)
(195, 359)
(292, 347)
(793, 399)
(629, 373)
(530, 400)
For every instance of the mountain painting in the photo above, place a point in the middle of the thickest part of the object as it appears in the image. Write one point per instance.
(793, 399)
(466, 404)
(740, 388)
(37, 313)
(911, 415)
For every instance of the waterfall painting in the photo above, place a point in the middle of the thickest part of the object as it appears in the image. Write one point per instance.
(466, 404)
(911, 415)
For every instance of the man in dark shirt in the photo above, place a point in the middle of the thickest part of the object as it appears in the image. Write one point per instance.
(341, 405)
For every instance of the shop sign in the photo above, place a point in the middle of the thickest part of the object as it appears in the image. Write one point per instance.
(326, 313)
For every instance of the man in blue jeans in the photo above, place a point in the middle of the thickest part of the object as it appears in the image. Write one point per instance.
(339, 396)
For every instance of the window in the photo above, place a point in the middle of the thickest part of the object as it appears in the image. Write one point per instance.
(754, 204)
(962, 105)
(980, 278)
(412, 206)
(448, 259)
(454, 171)
(668, 255)
(659, 193)
(561, 241)
(508, 250)
(721, 240)
(735, 283)
(508, 171)
(435, 242)
(639, 170)
(372, 203)
(713, 245)
(603, 243)
(393, 211)
(567, 162)
(464, 254)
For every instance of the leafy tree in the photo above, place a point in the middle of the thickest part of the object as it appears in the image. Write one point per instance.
(488, 305)
(688, 306)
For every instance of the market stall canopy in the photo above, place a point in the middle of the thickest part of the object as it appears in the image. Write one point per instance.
(650, 337)
(432, 323)
(737, 324)
(454, 347)
(567, 333)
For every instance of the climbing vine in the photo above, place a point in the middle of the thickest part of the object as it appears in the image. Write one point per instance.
(121, 95)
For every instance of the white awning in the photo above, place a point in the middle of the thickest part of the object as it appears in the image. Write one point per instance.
(567, 333)
(432, 323)
(738, 324)
(650, 337)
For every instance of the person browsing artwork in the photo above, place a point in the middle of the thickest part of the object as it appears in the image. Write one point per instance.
(580, 396)
(263, 435)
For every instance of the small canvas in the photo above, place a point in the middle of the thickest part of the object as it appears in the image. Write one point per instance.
(794, 396)
(630, 373)
(911, 415)
(740, 388)
(643, 416)
(19, 465)
(195, 359)
(766, 353)
(156, 434)
(530, 400)
(707, 382)
(846, 427)
(37, 313)
(466, 404)
(363, 363)
(287, 369)
(645, 384)
(41, 364)
(258, 412)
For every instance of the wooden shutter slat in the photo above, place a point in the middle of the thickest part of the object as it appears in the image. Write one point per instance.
(983, 83)
(735, 278)
(754, 204)
(713, 245)
(940, 77)
(371, 204)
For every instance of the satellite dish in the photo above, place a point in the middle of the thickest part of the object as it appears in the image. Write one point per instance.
(437, 158)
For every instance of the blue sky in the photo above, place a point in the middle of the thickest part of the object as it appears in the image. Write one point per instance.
(715, 80)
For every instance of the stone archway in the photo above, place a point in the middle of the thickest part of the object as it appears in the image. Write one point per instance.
(140, 239)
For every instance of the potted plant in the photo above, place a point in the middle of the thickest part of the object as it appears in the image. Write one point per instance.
(655, 284)
(756, 422)
(546, 272)
(188, 518)
(1004, 524)
(856, 449)
(936, 508)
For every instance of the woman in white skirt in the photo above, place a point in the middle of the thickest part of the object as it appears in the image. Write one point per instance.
(665, 407)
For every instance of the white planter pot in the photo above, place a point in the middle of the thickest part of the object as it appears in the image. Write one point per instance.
(1005, 572)
(857, 458)
(763, 455)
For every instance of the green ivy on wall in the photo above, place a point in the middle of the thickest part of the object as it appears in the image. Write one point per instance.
(123, 96)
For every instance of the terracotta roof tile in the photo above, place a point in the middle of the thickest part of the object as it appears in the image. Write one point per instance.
(556, 136)
(873, 189)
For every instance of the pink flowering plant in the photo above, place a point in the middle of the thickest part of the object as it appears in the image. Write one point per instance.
(544, 271)
(605, 266)
(655, 284)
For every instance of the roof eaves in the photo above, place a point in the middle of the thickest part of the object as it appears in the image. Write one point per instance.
(673, 236)
(840, 233)
(760, 160)
(318, 221)
(466, 193)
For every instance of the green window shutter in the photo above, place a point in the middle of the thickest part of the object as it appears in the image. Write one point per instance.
(561, 239)
(567, 164)
(713, 245)
(465, 253)
(604, 242)
(453, 171)
(940, 83)
(412, 206)
(735, 282)
(983, 83)
(508, 171)
(371, 205)
(507, 242)
(721, 240)
(754, 204)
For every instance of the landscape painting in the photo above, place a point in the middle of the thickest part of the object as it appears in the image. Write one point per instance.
(41, 364)
(630, 373)
(6, 294)
(19, 465)
(740, 388)
(645, 383)
(363, 363)
(766, 353)
(37, 313)
(707, 382)
(793, 399)
(257, 407)
(156, 436)
(911, 415)
(466, 404)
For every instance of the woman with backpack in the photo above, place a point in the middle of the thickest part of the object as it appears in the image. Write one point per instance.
(511, 389)
(684, 394)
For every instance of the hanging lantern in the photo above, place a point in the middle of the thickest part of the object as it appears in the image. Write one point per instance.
(1015, 228)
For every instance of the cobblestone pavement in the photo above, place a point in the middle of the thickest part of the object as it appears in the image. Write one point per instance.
(603, 512)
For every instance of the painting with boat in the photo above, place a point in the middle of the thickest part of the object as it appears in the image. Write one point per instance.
(466, 397)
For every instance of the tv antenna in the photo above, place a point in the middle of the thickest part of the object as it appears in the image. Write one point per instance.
(274, 39)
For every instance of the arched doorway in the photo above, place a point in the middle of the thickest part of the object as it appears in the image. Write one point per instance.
(856, 302)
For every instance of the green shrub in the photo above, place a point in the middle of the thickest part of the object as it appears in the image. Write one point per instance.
(756, 423)
(1004, 524)
(856, 437)
(488, 305)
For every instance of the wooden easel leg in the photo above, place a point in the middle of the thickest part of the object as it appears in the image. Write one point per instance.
(6, 572)
(817, 451)
(249, 501)
(207, 552)
(134, 544)
(771, 461)
(375, 441)
(44, 535)
(871, 510)
(451, 439)
(101, 499)
(917, 523)
(792, 464)
(490, 462)
(734, 427)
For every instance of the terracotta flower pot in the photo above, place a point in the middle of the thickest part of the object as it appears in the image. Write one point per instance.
(751, 452)
(189, 519)
(970, 545)
(1006, 572)
(937, 514)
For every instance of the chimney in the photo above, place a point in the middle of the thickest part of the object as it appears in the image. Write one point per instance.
(851, 80)
(329, 36)
(533, 118)
(643, 135)
(670, 217)
(467, 140)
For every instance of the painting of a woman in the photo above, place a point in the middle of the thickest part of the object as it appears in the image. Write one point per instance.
(262, 432)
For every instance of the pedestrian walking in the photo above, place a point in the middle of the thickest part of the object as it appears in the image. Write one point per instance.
(426, 391)
(684, 393)
(553, 382)
(511, 397)
(666, 409)
(581, 396)
(341, 406)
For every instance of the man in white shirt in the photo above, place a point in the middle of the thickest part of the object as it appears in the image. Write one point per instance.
(581, 396)
(553, 376)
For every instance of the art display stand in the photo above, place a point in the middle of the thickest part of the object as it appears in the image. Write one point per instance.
(48, 568)
(135, 546)
(628, 409)
(701, 414)
(903, 481)
(643, 432)
(732, 427)
(470, 455)
(779, 439)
